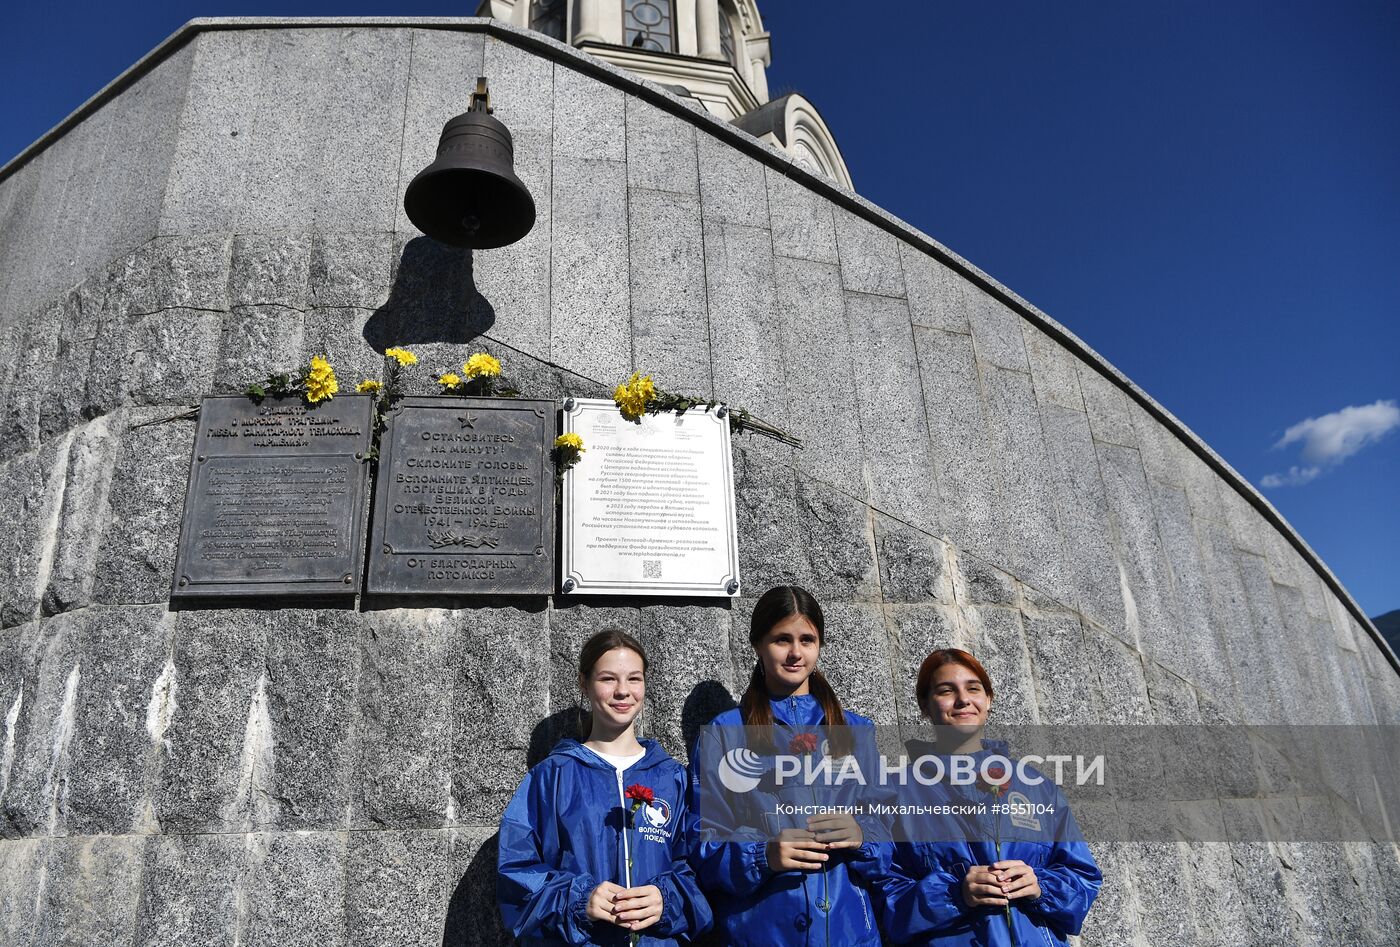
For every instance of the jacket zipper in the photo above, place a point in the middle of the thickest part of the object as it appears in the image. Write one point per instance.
(626, 852)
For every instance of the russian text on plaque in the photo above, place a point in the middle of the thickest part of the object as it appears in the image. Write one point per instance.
(275, 504)
(649, 508)
(464, 502)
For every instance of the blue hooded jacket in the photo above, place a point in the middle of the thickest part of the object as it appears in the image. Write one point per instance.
(920, 895)
(568, 829)
(756, 907)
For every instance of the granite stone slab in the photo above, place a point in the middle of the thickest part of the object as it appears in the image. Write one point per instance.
(765, 515)
(89, 891)
(961, 441)
(396, 888)
(996, 332)
(590, 304)
(803, 224)
(835, 531)
(121, 654)
(898, 469)
(744, 323)
(361, 129)
(690, 677)
(666, 261)
(856, 659)
(215, 764)
(403, 775)
(32, 499)
(815, 343)
(256, 342)
(312, 668)
(999, 642)
(661, 150)
(1022, 462)
(913, 564)
(270, 269)
(733, 189)
(216, 132)
(869, 256)
(937, 295)
(172, 356)
(500, 694)
(137, 553)
(1083, 515)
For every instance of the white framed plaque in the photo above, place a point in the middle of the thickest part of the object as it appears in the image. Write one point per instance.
(649, 508)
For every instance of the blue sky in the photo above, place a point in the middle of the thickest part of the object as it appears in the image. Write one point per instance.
(1206, 193)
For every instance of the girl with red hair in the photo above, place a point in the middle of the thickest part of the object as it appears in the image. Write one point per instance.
(1012, 873)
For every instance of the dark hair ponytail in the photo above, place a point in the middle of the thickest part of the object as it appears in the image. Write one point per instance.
(609, 639)
(778, 603)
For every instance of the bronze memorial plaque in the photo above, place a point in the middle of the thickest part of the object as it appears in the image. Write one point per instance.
(464, 502)
(275, 505)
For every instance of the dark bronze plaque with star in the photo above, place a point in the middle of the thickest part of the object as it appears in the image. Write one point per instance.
(464, 503)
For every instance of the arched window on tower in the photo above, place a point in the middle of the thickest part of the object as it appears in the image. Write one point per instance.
(649, 24)
(726, 34)
(547, 17)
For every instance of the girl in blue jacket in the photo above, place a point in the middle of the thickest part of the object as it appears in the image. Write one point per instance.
(776, 881)
(1021, 876)
(592, 844)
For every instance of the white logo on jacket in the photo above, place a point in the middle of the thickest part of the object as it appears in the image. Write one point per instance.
(653, 817)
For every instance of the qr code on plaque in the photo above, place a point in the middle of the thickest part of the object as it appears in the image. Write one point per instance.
(651, 568)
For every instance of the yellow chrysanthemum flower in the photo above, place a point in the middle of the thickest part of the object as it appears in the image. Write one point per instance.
(449, 380)
(480, 365)
(403, 356)
(632, 397)
(320, 380)
(571, 441)
(369, 385)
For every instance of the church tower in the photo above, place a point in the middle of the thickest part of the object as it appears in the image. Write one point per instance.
(713, 51)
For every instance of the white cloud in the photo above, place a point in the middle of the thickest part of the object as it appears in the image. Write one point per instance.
(1332, 438)
(1295, 477)
(1336, 436)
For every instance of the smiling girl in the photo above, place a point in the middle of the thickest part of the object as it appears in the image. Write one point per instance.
(795, 880)
(592, 847)
(1011, 878)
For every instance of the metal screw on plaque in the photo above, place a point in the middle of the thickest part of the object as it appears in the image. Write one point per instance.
(347, 579)
(202, 458)
(568, 404)
(184, 581)
(388, 550)
(733, 587)
(568, 586)
(721, 412)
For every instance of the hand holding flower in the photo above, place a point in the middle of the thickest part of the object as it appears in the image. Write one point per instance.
(796, 850)
(600, 902)
(1016, 879)
(837, 830)
(982, 889)
(637, 908)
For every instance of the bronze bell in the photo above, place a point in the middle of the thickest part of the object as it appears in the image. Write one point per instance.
(470, 196)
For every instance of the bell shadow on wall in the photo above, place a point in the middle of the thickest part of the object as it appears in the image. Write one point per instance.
(433, 299)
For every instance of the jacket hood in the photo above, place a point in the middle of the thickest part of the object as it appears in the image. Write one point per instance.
(654, 755)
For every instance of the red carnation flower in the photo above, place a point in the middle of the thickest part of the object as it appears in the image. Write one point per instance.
(803, 743)
(997, 780)
(639, 793)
